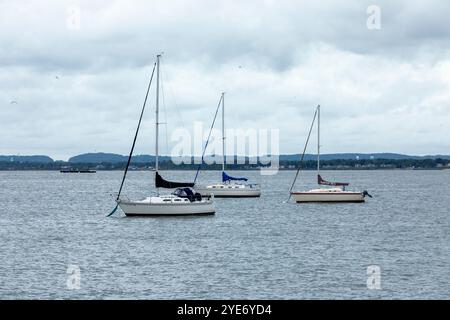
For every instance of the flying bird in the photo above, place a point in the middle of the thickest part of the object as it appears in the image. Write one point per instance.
(56, 77)
(14, 102)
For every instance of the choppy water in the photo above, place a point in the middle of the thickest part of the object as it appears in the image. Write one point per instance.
(252, 248)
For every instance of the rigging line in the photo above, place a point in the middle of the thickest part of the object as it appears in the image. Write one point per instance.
(207, 140)
(177, 109)
(164, 109)
(137, 131)
(303, 154)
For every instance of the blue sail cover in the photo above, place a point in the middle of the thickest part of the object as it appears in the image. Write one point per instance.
(226, 177)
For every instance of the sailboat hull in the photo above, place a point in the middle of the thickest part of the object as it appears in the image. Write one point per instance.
(152, 206)
(330, 196)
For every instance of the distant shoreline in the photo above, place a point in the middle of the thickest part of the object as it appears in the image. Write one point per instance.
(248, 164)
(218, 170)
(335, 164)
(102, 157)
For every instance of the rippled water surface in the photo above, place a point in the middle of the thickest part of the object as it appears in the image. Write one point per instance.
(252, 248)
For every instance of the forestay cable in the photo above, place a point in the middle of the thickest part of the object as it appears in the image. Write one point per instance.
(303, 154)
(134, 142)
(207, 141)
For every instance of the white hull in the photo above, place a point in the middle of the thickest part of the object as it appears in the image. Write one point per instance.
(230, 191)
(166, 206)
(328, 195)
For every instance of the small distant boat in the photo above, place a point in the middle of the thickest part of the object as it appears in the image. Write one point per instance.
(229, 188)
(183, 201)
(337, 193)
(77, 171)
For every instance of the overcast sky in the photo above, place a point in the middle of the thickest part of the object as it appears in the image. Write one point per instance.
(81, 89)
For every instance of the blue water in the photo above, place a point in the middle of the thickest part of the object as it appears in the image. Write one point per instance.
(251, 249)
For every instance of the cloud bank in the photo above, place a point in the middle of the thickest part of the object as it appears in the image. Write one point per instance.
(80, 90)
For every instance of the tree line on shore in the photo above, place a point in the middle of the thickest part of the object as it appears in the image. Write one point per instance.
(335, 164)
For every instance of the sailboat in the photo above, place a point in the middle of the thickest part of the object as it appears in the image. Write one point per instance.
(229, 187)
(337, 192)
(183, 201)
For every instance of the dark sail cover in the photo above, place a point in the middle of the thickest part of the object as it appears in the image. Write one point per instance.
(161, 183)
(226, 177)
(328, 183)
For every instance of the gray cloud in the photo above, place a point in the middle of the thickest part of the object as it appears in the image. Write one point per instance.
(275, 59)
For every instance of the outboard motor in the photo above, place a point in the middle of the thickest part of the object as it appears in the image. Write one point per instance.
(365, 193)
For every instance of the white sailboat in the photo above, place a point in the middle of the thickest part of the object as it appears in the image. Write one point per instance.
(229, 187)
(183, 201)
(337, 192)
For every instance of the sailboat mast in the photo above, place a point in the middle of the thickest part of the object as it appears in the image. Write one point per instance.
(157, 112)
(318, 139)
(223, 132)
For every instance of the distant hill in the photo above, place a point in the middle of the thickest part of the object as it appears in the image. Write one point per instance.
(100, 157)
(30, 159)
(112, 158)
(97, 158)
(115, 158)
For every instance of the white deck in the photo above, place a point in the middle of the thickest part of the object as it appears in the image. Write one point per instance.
(230, 190)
